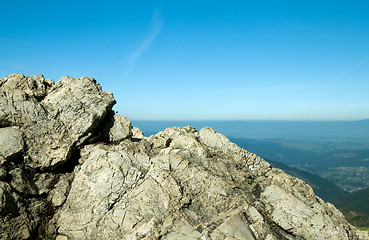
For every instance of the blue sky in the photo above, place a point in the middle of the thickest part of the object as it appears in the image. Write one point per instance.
(200, 60)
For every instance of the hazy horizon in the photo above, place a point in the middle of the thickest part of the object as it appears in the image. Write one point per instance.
(245, 120)
(298, 130)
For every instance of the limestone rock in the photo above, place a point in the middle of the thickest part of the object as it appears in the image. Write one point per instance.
(42, 125)
(79, 104)
(3, 170)
(116, 128)
(59, 193)
(7, 201)
(11, 143)
(44, 182)
(19, 218)
(54, 125)
(21, 182)
(137, 133)
(61, 237)
(3, 174)
(184, 184)
(33, 86)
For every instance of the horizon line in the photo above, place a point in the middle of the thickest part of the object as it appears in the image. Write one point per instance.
(249, 120)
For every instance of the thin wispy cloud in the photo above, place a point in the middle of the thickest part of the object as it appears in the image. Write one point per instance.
(353, 67)
(156, 26)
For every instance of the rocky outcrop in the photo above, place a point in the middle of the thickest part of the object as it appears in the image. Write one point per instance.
(72, 169)
(56, 123)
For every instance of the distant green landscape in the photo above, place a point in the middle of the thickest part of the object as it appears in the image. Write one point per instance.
(355, 206)
(347, 168)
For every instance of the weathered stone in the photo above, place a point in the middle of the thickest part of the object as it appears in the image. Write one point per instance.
(19, 218)
(3, 171)
(61, 237)
(11, 143)
(234, 227)
(34, 86)
(59, 194)
(137, 133)
(21, 182)
(3, 174)
(79, 104)
(191, 185)
(57, 125)
(44, 182)
(116, 128)
(7, 202)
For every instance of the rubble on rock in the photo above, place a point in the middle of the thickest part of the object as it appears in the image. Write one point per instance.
(72, 169)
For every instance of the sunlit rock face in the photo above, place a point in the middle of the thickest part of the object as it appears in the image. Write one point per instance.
(72, 169)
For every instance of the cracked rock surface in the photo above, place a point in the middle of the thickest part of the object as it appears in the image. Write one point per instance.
(72, 169)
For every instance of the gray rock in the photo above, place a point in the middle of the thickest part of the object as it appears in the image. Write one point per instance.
(3, 171)
(11, 143)
(44, 182)
(59, 193)
(54, 127)
(3, 174)
(137, 133)
(184, 184)
(17, 108)
(61, 237)
(42, 125)
(33, 86)
(116, 128)
(19, 218)
(21, 182)
(7, 201)
(79, 104)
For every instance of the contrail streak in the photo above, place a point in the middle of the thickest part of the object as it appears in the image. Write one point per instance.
(157, 24)
(352, 67)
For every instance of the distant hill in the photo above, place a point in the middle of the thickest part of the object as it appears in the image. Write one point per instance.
(355, 206)
(325, 189)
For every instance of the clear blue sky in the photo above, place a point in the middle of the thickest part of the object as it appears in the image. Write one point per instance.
(200, 60)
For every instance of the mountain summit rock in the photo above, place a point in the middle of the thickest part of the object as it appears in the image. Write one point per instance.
(72, 169)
